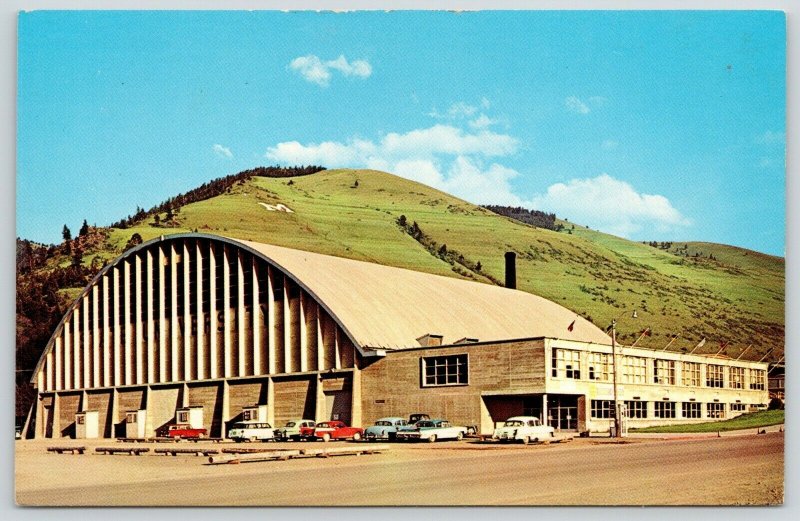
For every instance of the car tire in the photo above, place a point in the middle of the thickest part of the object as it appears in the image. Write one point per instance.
(357, 436)
(432, 439)
(326, 437)
(526, 440)
(459, 436)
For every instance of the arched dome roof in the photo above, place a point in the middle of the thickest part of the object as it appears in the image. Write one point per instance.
(389, 308)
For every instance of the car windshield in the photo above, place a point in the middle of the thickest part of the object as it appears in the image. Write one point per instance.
(384, 423)
(324, 424)
(514, 423)
(290, 424)
(425, 424)
(240, 426)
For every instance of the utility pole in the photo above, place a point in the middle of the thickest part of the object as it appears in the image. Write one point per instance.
(617, 418)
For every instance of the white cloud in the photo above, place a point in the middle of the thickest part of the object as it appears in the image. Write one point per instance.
(442, 156)
(461, 110)
(598, 101)
(576, 105)
(423, 143)
(317, 71)
(482, 121)
(609, 144)
(771, 138)
(610, 205)
(222, 151)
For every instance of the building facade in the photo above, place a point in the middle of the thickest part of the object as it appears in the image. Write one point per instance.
(211, 325)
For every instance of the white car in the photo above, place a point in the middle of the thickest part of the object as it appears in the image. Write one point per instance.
(251, 431)
(431, 430)
(525, 429)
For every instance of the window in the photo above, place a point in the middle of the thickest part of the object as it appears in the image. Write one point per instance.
(79, 419)
(691, 374)
(634, 370)
(664, 409)
(691, 409)
(636, 409)
(757, 379)
(599, 367)
(602, 409)
(714, 375)
(664, 372)
(738, 407)
(736, 377)
(183, 417)
(445, 370)
(130, 417)
(246, 415)
(715, 410)
(566, 363)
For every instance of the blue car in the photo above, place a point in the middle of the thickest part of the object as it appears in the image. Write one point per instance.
(384, 429)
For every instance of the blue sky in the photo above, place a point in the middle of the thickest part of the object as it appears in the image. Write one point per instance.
(649, 125)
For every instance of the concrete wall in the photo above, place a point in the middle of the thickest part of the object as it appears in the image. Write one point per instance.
(69, 404)
(162, 402)
(101, 402)
(209, 396)
(244, 394)
(295, 398)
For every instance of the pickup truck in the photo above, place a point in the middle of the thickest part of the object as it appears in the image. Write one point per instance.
(525, 429)
(432, 430)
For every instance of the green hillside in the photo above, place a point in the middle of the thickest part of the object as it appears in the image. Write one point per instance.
(722, 293)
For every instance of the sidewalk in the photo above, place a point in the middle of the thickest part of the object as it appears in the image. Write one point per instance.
(695, 435)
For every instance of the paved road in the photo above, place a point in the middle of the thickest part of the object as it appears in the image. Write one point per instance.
(735, 470)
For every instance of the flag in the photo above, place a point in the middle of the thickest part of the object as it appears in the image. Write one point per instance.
(701, 343)
(571, 326)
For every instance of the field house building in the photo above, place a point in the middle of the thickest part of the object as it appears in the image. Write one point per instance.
(209, 330)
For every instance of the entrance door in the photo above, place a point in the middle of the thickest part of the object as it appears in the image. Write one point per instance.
(562, 412)
(48, 421)
(337, 405)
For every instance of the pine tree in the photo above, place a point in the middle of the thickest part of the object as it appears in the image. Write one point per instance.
(66, 233)
(84, 229)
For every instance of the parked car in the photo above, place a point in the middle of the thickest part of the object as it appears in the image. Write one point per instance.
(336, 430)
(181, 430)
(384, 429)
(296, 430)
(432, 430)
(251, 431)
(418, 416)
(523, 428)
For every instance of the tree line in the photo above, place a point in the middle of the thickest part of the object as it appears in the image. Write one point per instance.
(532, 217)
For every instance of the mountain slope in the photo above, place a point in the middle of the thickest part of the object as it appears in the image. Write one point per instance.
(696, 290)
(736, 297)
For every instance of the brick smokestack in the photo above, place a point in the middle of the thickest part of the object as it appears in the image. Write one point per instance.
(511, 270)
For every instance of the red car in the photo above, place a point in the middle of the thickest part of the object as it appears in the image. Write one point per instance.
(182, 430)
(336, 430)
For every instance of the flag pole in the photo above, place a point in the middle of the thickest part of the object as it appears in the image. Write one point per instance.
(743, 352)
(671, 341)
(771, 349)
(699, 344)
(721, 349)
(646, 330)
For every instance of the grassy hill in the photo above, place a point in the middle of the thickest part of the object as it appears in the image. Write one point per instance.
(697, 290)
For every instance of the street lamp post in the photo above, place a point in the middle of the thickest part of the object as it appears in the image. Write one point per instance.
(617, 419)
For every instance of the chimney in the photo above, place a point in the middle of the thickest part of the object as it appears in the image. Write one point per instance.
(511, 270)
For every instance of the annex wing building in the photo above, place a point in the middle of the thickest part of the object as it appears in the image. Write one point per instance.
(202, 329)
